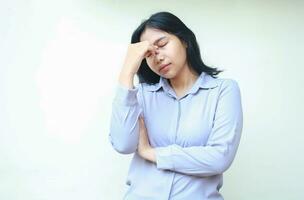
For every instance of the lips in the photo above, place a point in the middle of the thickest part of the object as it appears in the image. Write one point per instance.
(162, 67)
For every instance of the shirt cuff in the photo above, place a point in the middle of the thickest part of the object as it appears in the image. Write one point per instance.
(125, 95)
(164, 158)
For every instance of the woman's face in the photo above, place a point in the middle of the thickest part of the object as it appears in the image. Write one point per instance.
(169, 57)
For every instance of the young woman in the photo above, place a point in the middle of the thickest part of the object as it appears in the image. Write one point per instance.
(181, 122)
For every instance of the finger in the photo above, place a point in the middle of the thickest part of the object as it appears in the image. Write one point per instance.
(141, 124)
(140, 119)
(150, 50)
(151, 47)
(149, 53)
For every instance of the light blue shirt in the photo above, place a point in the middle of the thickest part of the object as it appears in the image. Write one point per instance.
(195, 136)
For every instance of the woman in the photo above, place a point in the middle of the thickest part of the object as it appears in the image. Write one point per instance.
(181, 122)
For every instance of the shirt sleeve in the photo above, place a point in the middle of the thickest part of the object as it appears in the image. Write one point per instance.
(124, 127)
(217, 155)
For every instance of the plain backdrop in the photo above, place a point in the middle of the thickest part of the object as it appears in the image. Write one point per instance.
(59, 64)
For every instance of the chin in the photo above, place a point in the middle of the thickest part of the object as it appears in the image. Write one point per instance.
(168, 75)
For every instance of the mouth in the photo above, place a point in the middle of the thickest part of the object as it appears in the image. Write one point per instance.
(164, 67)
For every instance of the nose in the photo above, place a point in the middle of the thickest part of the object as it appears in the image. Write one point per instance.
(158, 56)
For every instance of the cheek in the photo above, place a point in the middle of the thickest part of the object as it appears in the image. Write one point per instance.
(177, 53)
(179, 56)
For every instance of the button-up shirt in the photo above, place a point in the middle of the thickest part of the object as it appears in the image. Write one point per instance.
(195, 137)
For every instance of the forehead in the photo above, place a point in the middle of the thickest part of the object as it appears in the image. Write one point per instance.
(152, 34)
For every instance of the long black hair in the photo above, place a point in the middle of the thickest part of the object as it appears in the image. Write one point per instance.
(169, 23)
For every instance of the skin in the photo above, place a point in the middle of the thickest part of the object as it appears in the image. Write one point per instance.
(159, 48)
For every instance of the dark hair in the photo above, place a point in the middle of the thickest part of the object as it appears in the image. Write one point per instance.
(169, 23)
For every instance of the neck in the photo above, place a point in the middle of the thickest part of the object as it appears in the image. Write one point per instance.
(184, 80)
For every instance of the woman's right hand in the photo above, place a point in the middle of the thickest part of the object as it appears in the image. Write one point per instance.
(135, 54)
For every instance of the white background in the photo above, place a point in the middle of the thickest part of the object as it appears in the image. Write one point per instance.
(59, 63)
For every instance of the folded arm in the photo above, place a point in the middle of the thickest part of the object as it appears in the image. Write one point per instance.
(217, 155)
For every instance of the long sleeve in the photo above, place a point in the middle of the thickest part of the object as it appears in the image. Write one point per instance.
(124, 127)
(217, 155)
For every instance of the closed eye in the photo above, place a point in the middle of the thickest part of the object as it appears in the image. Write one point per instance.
(161, 44)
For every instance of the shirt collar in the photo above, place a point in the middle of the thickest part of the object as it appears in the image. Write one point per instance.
(204, 81)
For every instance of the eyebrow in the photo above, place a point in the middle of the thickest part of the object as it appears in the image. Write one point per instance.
(156, 41)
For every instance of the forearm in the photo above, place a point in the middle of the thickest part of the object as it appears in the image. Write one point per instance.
(124, 128)
(126, 79)
(198, 161)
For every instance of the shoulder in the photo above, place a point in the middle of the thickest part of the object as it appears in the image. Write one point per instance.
(224, 86)
(224, 83)
(228, 88)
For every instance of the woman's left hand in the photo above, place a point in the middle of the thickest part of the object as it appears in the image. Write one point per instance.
(144, 148)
